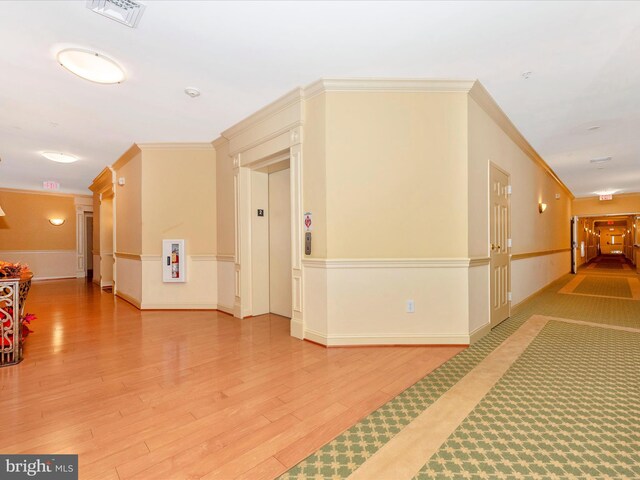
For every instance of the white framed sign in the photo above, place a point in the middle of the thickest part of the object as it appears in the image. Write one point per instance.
(174, 261)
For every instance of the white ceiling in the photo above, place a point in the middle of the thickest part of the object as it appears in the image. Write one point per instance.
(584, 58)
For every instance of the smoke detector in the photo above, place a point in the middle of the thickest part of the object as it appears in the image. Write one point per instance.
(192, 92)
(126, 12)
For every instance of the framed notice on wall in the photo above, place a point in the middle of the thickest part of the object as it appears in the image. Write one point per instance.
(173, 261)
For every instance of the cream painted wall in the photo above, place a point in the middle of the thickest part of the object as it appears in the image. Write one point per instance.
(178, 198)
(314, 179)
(26, 223)
(26, 236)
(129, 206)
(528, 275)
(396, 165)
(106, 241)
(626, 203)
(530, 230)
(224, 199)
(178, 185)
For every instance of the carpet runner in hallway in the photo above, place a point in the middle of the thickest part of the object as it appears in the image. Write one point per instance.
(573, 388)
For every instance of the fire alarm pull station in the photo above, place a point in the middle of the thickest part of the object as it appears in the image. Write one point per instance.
(307, 243)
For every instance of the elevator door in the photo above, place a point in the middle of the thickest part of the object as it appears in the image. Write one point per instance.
(280, 243)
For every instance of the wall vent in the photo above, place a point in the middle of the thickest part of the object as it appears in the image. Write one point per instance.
(126, 12)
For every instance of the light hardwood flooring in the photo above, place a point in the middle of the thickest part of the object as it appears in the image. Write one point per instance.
(186, 394)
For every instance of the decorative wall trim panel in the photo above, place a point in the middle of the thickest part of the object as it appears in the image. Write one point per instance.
(395, 262)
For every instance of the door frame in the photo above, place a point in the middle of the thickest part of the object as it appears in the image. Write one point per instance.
(509, 302)
(243, 213)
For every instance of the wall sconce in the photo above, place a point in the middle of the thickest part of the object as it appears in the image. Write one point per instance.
(542, 207)
(1, 212)
(56, 221)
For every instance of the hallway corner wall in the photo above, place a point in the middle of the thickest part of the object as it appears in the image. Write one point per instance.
(540, 251)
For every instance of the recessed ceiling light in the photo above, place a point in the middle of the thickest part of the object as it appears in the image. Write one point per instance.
(91, 66)
(192, 92)
(593, 127)
(60, 157)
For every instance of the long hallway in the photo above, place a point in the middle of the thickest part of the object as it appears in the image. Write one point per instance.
(552, 392)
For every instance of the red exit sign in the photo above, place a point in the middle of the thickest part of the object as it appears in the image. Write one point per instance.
(606, 197)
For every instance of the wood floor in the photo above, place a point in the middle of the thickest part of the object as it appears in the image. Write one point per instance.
(177, 395)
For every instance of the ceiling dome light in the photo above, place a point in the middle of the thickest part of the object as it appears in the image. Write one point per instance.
(90, 65)
(60, 157)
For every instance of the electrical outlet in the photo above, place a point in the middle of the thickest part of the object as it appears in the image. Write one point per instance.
(411, 306)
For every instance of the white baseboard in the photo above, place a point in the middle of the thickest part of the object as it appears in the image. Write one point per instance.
(479, 332)
(179, 306)
(133, 301)
(225, 309)
(297, 329)
(35, 279)
(387, 339)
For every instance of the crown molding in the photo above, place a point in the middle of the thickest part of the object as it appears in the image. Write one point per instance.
(294, 96)
(615, 195)
(484, 99)
(219, 142)
(387, 85)
(176, 146)
(38, 192)
(103, 181)
(126, 157)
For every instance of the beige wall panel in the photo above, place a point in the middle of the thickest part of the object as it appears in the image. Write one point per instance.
(179, 199)
(367, 306)
(626, 203)
(259, 243)
(26, 223)
(315, 304)
(528, 275)
(226, 287)
(96, 227)
(530, 230)
(129, 207)
(45, 264)
(129, 281)
(396, 165)
(106, 241)
(479, 308)
(199, 291)
(314, 195)
(225, 200)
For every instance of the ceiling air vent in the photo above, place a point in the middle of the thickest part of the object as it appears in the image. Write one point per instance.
(127, 12)
(597, 161)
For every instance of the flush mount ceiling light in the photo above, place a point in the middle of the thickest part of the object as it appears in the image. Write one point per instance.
(60, 157)
(91, 66)
(593, 127)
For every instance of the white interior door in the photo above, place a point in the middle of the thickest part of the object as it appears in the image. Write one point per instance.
(280, 243)
(499, 236)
